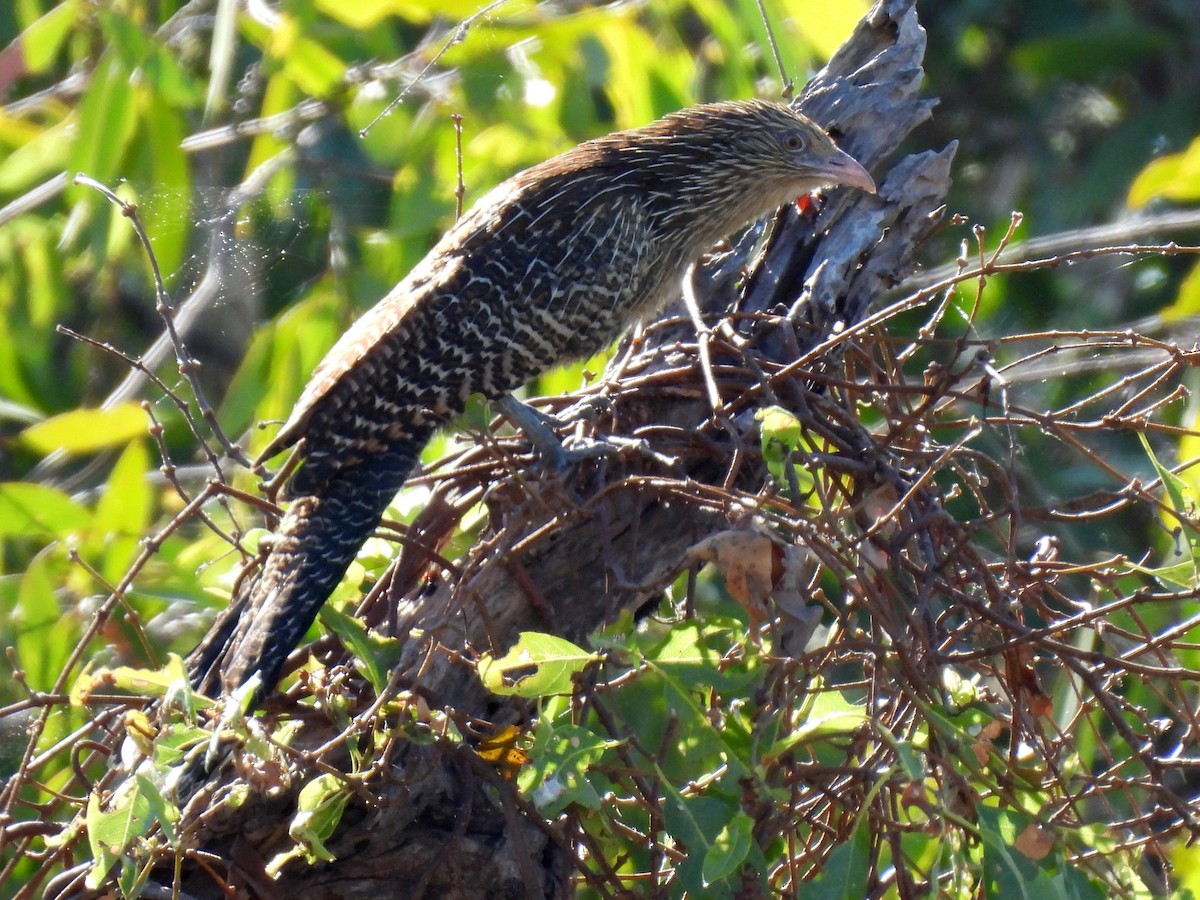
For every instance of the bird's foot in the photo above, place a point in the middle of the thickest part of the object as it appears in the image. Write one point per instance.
(582, 411)
(540, 427)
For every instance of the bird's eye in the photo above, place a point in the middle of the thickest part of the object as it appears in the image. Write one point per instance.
(793, 141)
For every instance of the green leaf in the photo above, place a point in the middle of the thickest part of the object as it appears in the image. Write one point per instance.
(375, 656)
(279, 362)
(319, 811)
(163, 812)
(87, 430)
(33, 510)
(172, 744)
(35, 160)
(130, 878)
(1181, 497)
(1179, 492)
(538, 665)
(110, 833)
(561, 760)
(1179, 576)
(700, 736)
(1075, 885)
(44, 636)
(1007, 871)
(123, 512)
(829, 713)
(123, 38)
(782, 438)
(693, 652)
(697, 821)
(145, 682)
(168, 85)
(42, 40)
(36, 603)
(361, 15)
(103, 857)
(1083, 52)
(846, 870)
(125, 505)
(160, 154)
(1187, 302)
(729, 850)
(47, 282)
(313, 68)
(1172, 177)
(107, 122)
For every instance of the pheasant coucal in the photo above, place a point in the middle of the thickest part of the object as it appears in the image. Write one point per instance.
(550, 266)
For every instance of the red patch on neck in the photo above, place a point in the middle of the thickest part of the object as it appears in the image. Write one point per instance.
(809, 205)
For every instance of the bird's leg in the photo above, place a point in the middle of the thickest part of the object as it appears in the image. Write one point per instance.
(539, 427)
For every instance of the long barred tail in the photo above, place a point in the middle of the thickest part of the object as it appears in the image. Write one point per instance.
(311, 551)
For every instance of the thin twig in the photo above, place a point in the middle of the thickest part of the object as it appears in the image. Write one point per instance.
(457, 36)
(188, 366)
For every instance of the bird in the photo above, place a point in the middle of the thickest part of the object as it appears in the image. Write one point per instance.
(550, 266)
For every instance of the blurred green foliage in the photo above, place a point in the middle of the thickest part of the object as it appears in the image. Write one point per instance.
(1058, 105)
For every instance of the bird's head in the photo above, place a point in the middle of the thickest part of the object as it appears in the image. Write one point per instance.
(708, 170)
(792, 146)
(768, 145)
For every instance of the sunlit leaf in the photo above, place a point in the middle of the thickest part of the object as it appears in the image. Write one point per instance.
(41, 42)
(365, 14)
(826, 25)
(47, 282)
(563, 756)
(1187, 302)
(373, 654)
(107, 122)
(87, 430)
(43, 635)
(278, 363)
(123, 511)
(169, 680)
(1172, 177)
(165, 219)
(110, 832)
(319, 810)
(783, 444)
(693, 653)
(311, 66)
(536, 666)
(729, 849)
(33, 509)
(828, 713)
(1180, 495)
(37, 160)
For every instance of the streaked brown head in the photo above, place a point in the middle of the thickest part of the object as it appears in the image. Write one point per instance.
(760, 140)
(705, 171)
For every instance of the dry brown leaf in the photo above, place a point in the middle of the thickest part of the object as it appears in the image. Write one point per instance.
(1036, 841)
(983, 747)
(749, 560)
